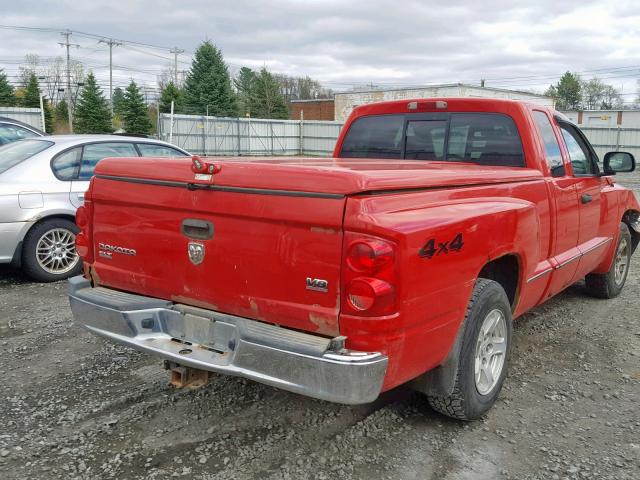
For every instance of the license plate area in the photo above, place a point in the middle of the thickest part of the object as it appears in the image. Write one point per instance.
(195, 331)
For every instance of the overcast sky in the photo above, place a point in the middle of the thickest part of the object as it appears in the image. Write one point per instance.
(342, 43)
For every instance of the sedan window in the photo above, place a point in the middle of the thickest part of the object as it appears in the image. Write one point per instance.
(67, 165)
(11, 133)
(155, 150)
(95, 152)
(16, 152)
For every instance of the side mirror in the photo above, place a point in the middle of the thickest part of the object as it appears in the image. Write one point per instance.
(618, 162)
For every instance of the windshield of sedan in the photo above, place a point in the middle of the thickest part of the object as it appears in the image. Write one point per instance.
(16, 152)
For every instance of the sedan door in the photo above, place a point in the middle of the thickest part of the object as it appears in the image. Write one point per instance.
(92, 153)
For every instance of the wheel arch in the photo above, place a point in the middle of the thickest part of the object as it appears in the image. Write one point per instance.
(632, 219)
(17, 254)
(506, 270)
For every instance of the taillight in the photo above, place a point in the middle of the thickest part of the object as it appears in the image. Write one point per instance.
(369, 276)
(84, 239)
(369, 255)
(81, 217)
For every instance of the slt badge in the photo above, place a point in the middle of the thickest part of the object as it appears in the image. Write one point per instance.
(196, 252)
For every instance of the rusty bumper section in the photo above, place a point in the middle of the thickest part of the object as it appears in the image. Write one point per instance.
(203, 339)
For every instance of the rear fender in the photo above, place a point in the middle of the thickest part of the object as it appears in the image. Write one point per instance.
(435, 291)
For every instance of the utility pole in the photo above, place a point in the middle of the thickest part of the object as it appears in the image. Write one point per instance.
(66, 34)
(112, 43)
(175, 51)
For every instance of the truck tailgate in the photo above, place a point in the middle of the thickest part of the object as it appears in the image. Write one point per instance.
(257, 253)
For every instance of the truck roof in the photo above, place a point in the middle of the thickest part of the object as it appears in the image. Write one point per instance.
(444, 104)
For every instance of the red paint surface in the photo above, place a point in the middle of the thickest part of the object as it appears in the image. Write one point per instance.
(265, 246)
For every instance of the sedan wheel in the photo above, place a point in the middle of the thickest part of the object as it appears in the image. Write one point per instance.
(49, 251)
(56, 251)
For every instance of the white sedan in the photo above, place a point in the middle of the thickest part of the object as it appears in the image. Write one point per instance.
(42, 182)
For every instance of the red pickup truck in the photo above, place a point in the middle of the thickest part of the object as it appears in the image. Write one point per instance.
(402, 259)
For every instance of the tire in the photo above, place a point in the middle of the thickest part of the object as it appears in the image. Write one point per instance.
(49, 252)
(610, 284)
(473, 395)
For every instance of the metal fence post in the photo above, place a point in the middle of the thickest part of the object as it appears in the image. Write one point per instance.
(204, 132)
(171, 124)
(271, 136)
(239, 137)
(301, 128)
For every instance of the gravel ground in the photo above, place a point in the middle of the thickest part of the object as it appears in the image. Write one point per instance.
(74, 406)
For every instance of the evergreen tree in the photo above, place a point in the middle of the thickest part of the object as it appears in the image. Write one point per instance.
(92, 113)
(7, 96)
(208, 84)
(61, 112)
(48, 116)
(135, 115)
(31, 96)
(567, 92)
(170, 93)
(118, 101)
(269, 102)
(245, 84)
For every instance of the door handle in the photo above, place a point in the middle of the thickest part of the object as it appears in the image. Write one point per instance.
(586, 198)
(81, 197)
(197, 229)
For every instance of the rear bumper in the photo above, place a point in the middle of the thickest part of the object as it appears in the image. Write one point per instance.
(208, 340)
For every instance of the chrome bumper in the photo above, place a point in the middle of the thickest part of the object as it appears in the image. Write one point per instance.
(208, 340)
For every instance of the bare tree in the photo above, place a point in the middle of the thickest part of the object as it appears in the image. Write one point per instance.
(167, 75)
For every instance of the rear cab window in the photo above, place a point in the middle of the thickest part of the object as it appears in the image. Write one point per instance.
(481, 138)
(377, 136)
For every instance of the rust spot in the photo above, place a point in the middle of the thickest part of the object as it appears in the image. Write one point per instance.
(188, 377)
(322, 323)
(254, 306)
(193, 302)
(95, 278)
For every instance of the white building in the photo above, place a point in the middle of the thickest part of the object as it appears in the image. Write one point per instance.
(345, 102)
(605, 118)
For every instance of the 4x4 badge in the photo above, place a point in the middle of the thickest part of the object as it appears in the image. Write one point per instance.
(196, 252)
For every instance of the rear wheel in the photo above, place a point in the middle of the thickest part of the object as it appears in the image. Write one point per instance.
(610, 284)
(49, 251)
(484, 355)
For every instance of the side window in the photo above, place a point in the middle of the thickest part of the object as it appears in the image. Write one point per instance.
(486, 139)
(66, 166)
(153, 150)
(374, 137)
(578, 152)
(425, 139)
(95, 152)
(551, 145)
(11, 133)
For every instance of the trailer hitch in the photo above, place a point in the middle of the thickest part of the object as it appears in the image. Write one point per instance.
(188, 377)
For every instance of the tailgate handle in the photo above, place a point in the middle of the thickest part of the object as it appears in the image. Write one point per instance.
(198, 229)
